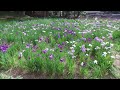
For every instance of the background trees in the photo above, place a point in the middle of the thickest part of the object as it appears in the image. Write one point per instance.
(63, 14)
(57, 14)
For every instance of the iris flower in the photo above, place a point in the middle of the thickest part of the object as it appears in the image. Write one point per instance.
(83, 48)
(3, 48)
(51, 56)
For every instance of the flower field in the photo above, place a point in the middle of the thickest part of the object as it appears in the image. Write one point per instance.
(67, 48)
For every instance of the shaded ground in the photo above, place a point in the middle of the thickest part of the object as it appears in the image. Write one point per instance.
(99, 14)
(8, 13)
(5, 15)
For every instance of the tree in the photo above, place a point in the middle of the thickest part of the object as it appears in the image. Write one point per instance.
(21, 13)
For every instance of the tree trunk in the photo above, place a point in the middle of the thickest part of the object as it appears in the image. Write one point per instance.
(21, 13)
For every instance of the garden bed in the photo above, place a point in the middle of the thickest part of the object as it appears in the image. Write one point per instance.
(59, 48)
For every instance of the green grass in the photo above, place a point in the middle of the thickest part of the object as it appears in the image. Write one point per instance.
(48, 33)
(116, 38)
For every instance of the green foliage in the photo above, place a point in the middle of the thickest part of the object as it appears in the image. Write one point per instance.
(62, 38)
(116, 34)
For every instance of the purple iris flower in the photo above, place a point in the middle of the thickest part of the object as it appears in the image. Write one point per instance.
(83, 39)
(51, 56)
(89, 39)
(60, 50)
(68, 31)
(74, 33)
(98, 39)
(44, 51)
(63, 43)
(65, 30)
(41, 39)
(4, 48)
(62, 60)
(34, 48)
(65, 34)
(28, 46)
(58, 28)
(60, 46)
(83, 48)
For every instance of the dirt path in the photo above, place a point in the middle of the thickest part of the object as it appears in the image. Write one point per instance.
(116, 65)
(26, 75)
